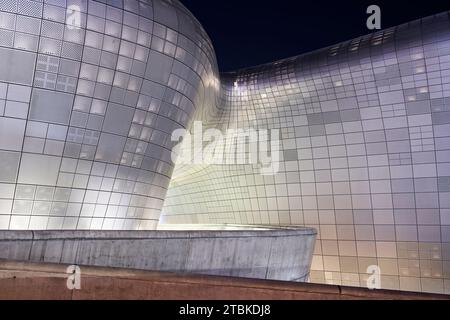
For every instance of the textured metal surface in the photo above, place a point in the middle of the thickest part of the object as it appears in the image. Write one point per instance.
(365, 156)
(89, 95)
(91, 92)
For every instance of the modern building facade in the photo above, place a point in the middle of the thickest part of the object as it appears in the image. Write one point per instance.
(365, 138)
(91, 92)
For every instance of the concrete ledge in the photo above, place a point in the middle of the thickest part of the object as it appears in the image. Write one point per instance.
(279, 254)
(48, 281)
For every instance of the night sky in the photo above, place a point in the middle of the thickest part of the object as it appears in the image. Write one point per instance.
(250, 32)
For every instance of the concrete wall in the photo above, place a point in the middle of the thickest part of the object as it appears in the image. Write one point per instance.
(283, 254)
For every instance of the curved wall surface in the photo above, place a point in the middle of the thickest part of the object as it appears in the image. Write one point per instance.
(90, 92)
(364, 156)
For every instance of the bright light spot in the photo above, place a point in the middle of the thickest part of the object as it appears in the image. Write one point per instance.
(420, 70)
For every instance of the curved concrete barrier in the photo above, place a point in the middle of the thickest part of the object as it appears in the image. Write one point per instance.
(277, 254)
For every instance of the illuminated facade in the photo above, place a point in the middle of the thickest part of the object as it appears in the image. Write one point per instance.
(91, 91)
(90, 94)
(364, 157)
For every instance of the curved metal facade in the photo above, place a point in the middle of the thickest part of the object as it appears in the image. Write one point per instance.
(91, 91)
(90, 94)
(365, 156)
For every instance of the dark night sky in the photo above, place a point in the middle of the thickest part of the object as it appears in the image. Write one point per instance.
(251, 32)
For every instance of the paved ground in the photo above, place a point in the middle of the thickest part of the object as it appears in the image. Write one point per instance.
(49, 281)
